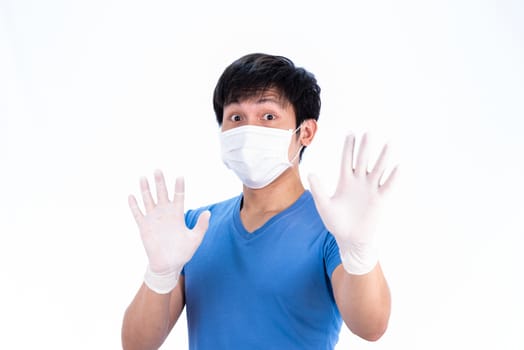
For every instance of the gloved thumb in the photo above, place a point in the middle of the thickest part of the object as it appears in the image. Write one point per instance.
(202, 223)
(317, 190)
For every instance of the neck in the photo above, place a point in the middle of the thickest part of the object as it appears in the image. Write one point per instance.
(275, 197)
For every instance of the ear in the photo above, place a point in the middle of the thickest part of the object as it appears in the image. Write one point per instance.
(308, 131)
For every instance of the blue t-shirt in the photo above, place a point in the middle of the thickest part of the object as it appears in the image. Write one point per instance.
(269, 289)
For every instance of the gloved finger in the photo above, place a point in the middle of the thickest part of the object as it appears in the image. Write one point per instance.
(346, 167)
(135, 210)
(388, 182)
(178, 199)
(161, 190)
(318, 192)
(149, 204)
(380, 166)
(361, 165)
(202, 224)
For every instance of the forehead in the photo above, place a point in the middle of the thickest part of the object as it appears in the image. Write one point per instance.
(269, 95)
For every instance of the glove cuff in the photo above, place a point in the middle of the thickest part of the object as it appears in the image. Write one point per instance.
(359, 259)
(161, 283)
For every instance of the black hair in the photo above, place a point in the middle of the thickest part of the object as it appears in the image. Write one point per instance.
(255, 73)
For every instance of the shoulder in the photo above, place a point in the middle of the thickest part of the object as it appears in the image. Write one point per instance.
(315, 223)
(216, 209)
(306, 209)
(303, 218)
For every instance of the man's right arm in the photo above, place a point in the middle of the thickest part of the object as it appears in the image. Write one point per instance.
(169, 245)
(151, 316)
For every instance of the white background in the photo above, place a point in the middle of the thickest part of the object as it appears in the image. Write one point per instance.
(94, 94)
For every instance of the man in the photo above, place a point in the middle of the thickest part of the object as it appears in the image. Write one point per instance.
(277, 267)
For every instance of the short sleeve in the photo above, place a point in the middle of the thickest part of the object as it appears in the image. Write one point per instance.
(331, 254)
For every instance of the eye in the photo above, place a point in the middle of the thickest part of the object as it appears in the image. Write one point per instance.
(269, 116)
(235, 118)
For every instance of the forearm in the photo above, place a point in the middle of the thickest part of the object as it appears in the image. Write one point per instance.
(364, 302)
(146, 321)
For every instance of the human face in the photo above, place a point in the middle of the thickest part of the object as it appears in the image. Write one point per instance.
(268, 109)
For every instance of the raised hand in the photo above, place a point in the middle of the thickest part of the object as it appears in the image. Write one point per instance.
(169, 244)
(351, 213)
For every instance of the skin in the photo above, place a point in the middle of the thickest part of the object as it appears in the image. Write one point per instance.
(363, 300)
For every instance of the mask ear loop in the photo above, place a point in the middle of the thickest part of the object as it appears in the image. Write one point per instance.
(298, 152)
(301, 145)
(293, 132)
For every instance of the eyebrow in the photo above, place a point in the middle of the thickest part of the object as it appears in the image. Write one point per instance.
(266, 98)
(271, 98)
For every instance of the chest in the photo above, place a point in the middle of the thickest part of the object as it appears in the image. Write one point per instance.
(286, 265)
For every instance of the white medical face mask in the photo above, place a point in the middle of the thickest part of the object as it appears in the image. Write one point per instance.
(257, 154)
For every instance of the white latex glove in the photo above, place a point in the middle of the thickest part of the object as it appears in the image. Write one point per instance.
(168, 242)
(351, 214)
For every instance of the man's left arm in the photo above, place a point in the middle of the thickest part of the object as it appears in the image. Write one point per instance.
(351, 215)
(364, 301)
